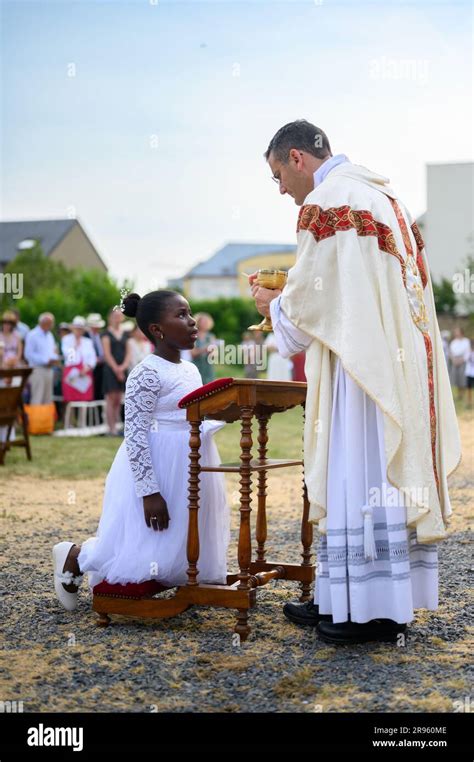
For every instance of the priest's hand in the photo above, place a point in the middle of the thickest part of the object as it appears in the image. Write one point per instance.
(263, 297)
(156, 512)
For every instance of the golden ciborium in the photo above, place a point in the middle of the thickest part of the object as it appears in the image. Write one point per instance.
(269, 279)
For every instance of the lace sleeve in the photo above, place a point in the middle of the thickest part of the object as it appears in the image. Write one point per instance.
(143, 386)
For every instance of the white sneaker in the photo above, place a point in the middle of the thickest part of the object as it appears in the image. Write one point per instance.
(60, 553)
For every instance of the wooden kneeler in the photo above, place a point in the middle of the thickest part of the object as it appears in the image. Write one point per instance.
(228, 400)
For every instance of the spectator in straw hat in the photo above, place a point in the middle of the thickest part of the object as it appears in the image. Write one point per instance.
(11, 345)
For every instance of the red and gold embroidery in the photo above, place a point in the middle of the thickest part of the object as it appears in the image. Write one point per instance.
(426, 338)
(403, 227)
(324, 223)
(429, 359)
(420, 245)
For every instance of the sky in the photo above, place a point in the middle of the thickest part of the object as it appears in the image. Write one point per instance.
(147, 120)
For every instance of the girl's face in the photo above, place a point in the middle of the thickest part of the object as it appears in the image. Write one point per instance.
(177, 324)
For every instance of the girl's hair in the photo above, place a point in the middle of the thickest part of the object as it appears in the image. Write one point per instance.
(147, 309)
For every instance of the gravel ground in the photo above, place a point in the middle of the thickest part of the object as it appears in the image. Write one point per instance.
(59, 661)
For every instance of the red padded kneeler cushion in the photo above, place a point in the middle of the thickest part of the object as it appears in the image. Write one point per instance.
(205, 391)
(130, 590)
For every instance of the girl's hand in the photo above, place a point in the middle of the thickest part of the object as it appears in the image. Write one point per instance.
(156, 512)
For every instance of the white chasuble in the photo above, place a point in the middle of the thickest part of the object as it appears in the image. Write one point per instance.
(381, 434)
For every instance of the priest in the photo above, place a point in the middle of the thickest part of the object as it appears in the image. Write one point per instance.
(381, 434)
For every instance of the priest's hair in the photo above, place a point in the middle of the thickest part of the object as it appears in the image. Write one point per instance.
(301, 135)
(147, 309)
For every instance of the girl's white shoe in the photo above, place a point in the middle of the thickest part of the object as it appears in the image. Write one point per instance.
(60, 553)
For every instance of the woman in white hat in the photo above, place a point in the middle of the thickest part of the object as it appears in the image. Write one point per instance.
(79, 361)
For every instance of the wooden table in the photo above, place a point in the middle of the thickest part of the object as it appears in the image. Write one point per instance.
(239, 400)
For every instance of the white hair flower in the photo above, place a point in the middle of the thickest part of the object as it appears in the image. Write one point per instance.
(123, 293)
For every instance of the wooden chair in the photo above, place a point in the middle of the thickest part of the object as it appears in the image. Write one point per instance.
(11, 407)
(230, 400)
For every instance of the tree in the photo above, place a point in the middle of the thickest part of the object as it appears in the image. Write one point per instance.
(50, 286)
(444, 296)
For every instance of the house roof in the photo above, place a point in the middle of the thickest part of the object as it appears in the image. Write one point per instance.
(49, 233)
(225, 261)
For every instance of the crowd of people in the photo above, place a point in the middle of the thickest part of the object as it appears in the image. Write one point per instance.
(88, 359)
(91, 358)
(459, 354)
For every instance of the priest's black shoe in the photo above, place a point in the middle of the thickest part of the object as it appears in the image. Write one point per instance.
(305, 613)
(347, 633)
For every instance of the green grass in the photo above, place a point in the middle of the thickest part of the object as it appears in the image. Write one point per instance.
(285, 432)
(461, 405)
(89, 457)
(223, 371)
(62, 458)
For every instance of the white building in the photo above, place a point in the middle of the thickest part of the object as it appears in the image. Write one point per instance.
(448, 223)
(221, 274)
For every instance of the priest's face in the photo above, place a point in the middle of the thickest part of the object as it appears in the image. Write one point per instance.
(294, 177)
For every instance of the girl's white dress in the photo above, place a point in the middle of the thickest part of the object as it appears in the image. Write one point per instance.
(154, 457)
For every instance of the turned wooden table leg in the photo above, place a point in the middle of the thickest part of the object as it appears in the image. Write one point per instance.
(193, 504)
(103, 620)
(261, 528)
(306, 540)
(245, 546)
